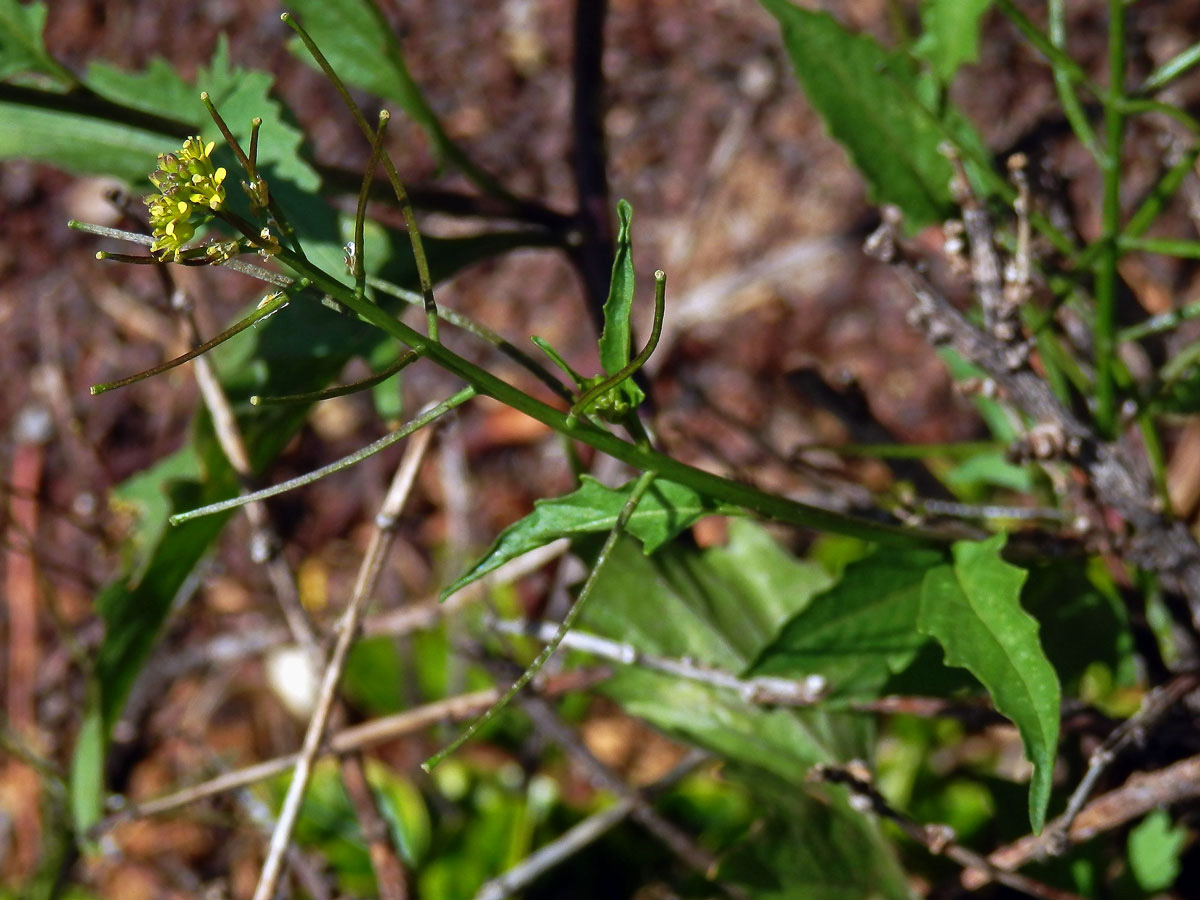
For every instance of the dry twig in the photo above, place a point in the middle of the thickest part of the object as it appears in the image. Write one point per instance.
(368, 574)
(937, 839)
(1155, 542)
(1139, 795)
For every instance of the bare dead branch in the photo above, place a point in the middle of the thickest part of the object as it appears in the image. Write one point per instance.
(368, 574)
(1139, 795)
(937, 839)
(1155, 542)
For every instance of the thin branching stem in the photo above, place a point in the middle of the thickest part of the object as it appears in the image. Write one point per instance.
(1171, 69)
(271, 305)
(407, 358)
(1104, 329)
(252, 156)
(469, 325)
(406, 207)
(637, 455)
(635, 495)
(371, 449)
(1160, 323)
(589, 396)
(1064, 82)
(360, 212)
(250, 165)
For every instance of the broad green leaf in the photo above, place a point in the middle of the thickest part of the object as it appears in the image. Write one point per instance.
(665, 510)
(77, 142)
(951, 34)
(973, 609)
(868, 99)
(859, 632)
(158, 89)
(1155, 847)
(717, 607)
(813, 848)
(21, 47)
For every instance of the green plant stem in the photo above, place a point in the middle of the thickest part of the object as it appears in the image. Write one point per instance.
(360, 211)
(458, 320)
(640, 457)
(589, 396)
(258, 315)
(1160, 323)
(959, 450)
(406, 207)
(1135, 107)
(345, 462)
(1104, 329)
(407, 358)
(1171, 69)
(1044, 45)
(1162, 192)
(1064, 82)
(1155, 456)
(249, 164)
(635, 496)
(1061, 62)
(1165, 246)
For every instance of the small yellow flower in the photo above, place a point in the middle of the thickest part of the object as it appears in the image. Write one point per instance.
(190, 188)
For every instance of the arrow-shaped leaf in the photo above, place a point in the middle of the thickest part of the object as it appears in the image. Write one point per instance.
(973, 609)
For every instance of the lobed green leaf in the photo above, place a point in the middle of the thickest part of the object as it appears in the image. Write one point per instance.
(665, 511)
(717, 607)
(973, 609)
(859, 632)
(951, 34)
(21, 47)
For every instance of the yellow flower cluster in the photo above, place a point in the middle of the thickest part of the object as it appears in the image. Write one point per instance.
(190, 188)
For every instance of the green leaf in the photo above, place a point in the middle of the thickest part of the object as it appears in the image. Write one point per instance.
(388, 395)
(951, 34)
(868, 99)
(859, 632)
(813, 848)
(717, 607)
(405, 810)
(21, 47)
(1155, 847)
(78, 142)
(665, 510)
(973, 609)
(616, 338)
